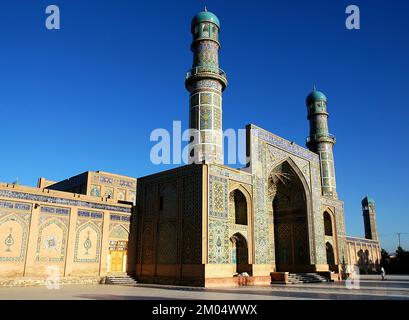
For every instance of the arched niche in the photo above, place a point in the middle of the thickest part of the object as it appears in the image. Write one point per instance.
(291, 207)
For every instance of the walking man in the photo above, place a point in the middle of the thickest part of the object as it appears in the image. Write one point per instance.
(383, 273)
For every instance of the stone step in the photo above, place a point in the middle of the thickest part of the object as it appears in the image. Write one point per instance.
(120, 280)
(305, 278)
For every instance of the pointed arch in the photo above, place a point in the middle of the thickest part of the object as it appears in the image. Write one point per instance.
(80, 244)
(20, 253)
(237, 225)
(59, 241)
(239, 205)
(120, 232)
(296, 170)
(328, 230)
(240, 252)
(330, 254)
(290, 198)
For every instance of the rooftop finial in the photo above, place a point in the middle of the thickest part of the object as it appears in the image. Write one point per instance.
(205, 9)
(314, 88)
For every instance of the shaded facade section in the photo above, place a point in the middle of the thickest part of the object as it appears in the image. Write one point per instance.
(169, 232)
(365, 254)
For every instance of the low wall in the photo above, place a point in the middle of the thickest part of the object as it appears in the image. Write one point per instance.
(29, 281)
(279, 277)
(238, 281)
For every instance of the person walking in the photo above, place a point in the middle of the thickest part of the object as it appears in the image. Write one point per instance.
(383, 273)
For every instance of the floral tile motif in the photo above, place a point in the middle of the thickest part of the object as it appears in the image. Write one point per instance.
(218, 241)
(15, 228)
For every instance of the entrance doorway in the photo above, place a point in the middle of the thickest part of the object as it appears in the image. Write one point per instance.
(289, 204)
(117, 261)
(118, 256)
(330, 254)
(240, 254)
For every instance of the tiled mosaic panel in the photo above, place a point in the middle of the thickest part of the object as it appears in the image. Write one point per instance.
(100, 178)
(218, 241)
(109, 192)
(263, 241)
(14, 225)
(284, 144)
(262, 162)
(118, 231)
(205, 84)
(340, 226)
(95, 190)
(319, 253)
(206, 119)
(14, 231)
(121, 194)
(218, 197)
(52, 234)
(206, 116)
(88, 241)
(60, 201)
(206, 54)
(243, 177)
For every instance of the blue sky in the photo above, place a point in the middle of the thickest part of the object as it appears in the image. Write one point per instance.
(87, 97)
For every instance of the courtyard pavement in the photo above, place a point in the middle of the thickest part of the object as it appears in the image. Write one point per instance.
(370, 288)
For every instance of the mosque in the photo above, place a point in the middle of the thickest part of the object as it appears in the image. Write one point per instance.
(204, 224)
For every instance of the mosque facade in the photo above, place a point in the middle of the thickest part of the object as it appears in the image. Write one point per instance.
(203, 224)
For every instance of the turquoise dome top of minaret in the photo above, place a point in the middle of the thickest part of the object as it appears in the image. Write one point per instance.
(205, 16)
(316, 96)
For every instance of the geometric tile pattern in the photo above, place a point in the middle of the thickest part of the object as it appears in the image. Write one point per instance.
(62, 201)
(232, 175)
(218, 197)
(267, 150)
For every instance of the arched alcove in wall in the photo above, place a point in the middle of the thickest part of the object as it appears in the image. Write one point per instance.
(290, 214)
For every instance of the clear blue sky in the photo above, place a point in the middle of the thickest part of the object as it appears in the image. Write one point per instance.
(87, 97)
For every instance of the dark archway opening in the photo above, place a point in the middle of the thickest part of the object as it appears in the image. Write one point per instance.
(327, 224)
(290, 219)
(330, 254)
(240, 255)
(240, 207)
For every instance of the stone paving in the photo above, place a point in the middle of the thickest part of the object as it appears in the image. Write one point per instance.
(370, 287)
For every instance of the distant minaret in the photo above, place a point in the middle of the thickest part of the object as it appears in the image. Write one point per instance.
(206, 82)
(368, 209)
(321, 141)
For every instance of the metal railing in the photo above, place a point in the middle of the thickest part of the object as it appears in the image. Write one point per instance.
(318, 136)
(205, 69)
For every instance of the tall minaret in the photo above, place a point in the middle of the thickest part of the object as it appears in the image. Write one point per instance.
(206, 82)
(368, 209)
(321, 141)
